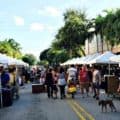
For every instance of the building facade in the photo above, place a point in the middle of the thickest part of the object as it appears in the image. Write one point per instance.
(95, 44)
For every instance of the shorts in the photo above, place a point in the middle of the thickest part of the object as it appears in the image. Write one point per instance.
(84, 85)
(96, 85)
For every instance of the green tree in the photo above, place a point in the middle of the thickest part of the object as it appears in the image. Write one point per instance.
(53, 56)
(116, 26)
(109, 27)
(72, 35)
(43, 62)
(16, 48)
(29, 58)
(112, 28)
(57, 56)
(11, 48)
(100, 24)
(44, 55)
(5, 48)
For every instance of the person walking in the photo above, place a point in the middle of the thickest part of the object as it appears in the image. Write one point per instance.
(55, 79)
(96, 82)
(84, 81)
(49, 83)
(62, 82)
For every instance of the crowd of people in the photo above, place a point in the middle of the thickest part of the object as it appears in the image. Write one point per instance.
(65, 80)
(62, 79)
(11, 78)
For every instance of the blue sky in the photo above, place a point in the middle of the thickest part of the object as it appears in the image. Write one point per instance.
(34, 23)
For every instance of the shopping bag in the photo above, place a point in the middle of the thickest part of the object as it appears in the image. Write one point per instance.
(72, 89)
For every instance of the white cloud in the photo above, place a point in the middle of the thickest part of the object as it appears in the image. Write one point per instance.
(37, 27)
(52, 11)
(51, 28)
(49, 11)
(19, 21)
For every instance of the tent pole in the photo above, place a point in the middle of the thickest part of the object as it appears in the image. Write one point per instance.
(109, 68)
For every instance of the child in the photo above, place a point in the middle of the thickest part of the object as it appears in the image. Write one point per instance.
(55, 89)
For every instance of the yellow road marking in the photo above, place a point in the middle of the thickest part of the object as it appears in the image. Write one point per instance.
(76, 111)
(83, 110)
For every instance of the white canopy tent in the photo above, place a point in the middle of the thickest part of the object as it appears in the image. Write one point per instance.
(82, 60)
(11, 61)
(4, 59)
(115, 58)
(103, 58)
(90, 57)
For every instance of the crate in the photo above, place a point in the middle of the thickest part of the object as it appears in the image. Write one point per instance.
(38, 88)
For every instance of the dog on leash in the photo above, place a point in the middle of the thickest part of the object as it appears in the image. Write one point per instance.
(105, 103)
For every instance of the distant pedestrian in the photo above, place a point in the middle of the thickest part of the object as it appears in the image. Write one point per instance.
(90, 77)
(72, 73)
(49, 83)
(55, 79)
(84, 81)
(96, 82)
(5, 78)
(62, 82)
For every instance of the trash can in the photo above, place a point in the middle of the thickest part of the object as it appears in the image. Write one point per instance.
(6, 97)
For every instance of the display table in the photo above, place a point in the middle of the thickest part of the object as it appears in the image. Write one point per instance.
(38, 88)
(111, 84)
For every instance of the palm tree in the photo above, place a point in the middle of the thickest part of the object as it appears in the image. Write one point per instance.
(99, 28)
(72, 34)
(16, 47)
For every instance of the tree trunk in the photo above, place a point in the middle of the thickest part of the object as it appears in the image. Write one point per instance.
(97, 42)
(70, 53)
(88, 47)
(102, 43)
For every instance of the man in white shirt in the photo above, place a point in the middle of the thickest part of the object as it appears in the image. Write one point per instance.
(96, 82)
(72, 72)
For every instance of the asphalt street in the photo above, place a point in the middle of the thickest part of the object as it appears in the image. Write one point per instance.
(39, 107)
